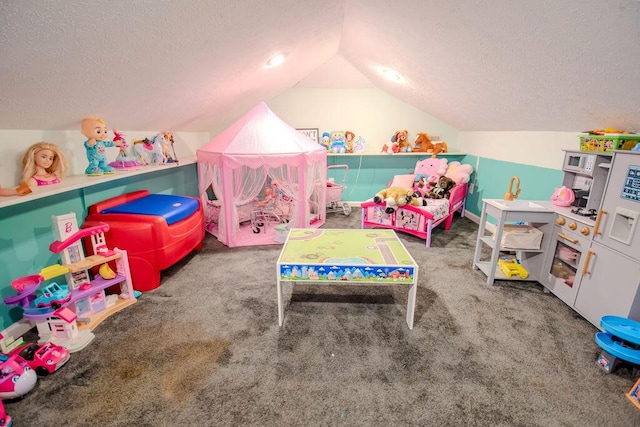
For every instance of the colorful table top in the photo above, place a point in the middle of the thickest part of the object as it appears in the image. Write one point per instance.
(352, 246)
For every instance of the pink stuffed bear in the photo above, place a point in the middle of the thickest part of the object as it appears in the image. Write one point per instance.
(430, 169)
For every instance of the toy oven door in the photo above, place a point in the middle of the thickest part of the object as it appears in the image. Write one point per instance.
(563, 270)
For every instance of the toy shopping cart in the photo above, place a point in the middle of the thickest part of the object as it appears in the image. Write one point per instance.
(334, 190)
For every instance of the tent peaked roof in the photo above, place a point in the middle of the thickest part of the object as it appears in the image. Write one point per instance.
(260, 131)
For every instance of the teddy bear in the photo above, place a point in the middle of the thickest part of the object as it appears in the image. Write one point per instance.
(441, 189)
(396, 197)
(431, 169)
(401, 137)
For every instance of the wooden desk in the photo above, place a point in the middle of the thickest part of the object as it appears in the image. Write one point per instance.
(346, 257)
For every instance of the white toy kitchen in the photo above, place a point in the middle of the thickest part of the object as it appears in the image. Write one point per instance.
(590, 253)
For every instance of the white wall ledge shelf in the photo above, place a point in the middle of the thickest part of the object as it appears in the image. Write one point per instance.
(75, 182)
(394, 154)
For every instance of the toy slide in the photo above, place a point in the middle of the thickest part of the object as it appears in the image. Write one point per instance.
(58, 246)
(54, 270)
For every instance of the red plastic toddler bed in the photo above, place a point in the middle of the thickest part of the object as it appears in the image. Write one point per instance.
(156, 230)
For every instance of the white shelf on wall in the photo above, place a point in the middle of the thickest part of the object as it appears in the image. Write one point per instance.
(83, 181)
(394, 154)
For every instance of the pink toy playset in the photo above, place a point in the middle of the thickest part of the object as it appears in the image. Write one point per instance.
(65, 315)
(263, 172)
(420, 220)
(156, 230)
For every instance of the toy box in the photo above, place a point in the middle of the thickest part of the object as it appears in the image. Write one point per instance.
(608, 142)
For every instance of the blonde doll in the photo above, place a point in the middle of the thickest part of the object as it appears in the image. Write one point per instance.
(43, 164)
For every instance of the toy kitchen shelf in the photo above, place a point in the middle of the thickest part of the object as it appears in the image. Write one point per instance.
(75, 182)
(537, 214)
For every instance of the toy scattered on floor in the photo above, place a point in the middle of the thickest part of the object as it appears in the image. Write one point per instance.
(440, 189)
(43, 164)
(21, 190)
(16, 377)
(123, 160)
(45, 358)
(395, 197)
(511, 267)
(95, 131)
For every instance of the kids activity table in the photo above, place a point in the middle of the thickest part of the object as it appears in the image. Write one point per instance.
(346, 257)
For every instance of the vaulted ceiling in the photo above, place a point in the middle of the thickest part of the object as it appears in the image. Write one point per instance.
(194, 65)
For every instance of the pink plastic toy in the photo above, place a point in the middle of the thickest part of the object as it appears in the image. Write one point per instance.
(563, 196)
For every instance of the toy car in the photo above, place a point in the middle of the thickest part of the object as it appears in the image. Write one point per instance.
(16, 377)
(45, 359)
(52, 295)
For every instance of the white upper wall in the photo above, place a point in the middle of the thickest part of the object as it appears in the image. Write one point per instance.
(371, 113)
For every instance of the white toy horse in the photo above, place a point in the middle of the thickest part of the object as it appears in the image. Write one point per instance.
(150, 151)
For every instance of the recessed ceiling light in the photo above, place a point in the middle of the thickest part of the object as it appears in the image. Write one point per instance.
(390, 74)
(276, 60)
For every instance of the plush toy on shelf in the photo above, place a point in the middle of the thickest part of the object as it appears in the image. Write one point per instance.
(338, 142)
(396, 197)
(95, 131)
(423, 144)
(354, 143)
(401, 137)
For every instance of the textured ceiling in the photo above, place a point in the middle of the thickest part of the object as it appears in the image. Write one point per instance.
(195, 65)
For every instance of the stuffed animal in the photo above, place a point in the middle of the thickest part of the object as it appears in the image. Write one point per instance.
(441, 189)
(423, 144)
(401, 137)
(396, 197)
(431, 169)
(459, 173)
(338, 142)
(439, 147)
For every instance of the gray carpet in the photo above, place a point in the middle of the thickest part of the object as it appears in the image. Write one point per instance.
(205, 349)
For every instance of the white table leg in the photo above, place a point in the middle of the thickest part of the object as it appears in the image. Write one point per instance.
(411, 303)
(280, 302)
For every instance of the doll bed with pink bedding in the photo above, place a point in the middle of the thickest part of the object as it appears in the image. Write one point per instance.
(416, 220)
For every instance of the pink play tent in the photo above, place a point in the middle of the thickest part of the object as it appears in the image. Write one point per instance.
(260, 176)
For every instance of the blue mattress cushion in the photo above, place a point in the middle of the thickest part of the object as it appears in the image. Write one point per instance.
(172, 208)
